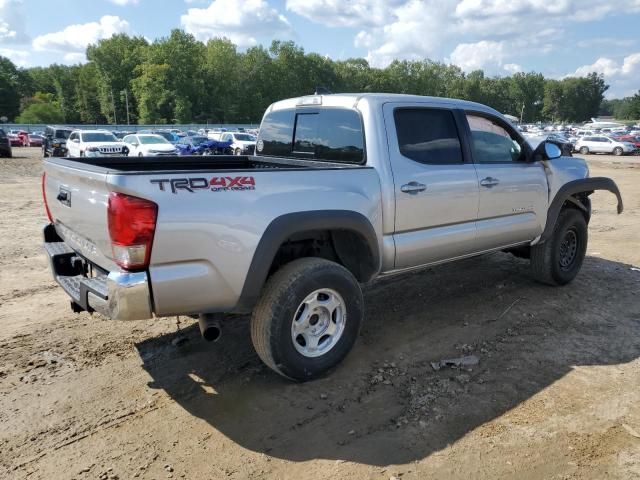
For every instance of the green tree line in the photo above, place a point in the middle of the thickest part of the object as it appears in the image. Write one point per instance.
(178, 79)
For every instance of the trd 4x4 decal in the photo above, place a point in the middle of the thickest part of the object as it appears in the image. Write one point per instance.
(215, 184)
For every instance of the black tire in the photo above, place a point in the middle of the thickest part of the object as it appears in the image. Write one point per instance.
(618, 151)
(238, 152)
(273, 316)
(584, 150)
(81, 153)
(140, 154)
(552, 262)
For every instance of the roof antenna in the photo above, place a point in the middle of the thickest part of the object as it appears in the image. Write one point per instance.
(322, 91)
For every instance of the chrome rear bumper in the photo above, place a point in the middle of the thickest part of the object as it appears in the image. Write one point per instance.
(117, 295)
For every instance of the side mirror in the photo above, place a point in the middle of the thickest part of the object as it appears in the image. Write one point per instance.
(76, 140)
(546, 151)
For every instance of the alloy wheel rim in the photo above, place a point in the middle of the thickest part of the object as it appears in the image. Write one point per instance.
(318, 323)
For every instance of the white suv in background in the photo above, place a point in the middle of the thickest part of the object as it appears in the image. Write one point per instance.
(241, 143)
(603, 144)
(149, 145)
(95, 143)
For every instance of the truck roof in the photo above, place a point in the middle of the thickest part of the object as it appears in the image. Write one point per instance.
(350, 100)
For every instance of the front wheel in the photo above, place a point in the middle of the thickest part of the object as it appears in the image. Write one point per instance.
(558, 260)
(584, 150)
(617, 151)
(308, 318)
(238, 152)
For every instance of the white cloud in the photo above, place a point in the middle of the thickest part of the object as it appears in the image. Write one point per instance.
(485, 55)
(122, 3)
(338, 13)
(241, 21)
(19, 57)
(409, 29)
(75, 57)
(12, 25)
(76, 38)
(622, 76)
(513, 68)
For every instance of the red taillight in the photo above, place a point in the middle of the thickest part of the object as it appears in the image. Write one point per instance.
(132, 224)
(44, 197)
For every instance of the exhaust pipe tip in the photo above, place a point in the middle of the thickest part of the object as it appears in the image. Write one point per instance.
(210, 327)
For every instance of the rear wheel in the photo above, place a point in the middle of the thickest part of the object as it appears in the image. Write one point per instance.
(308, 318)
(618, 151)
(584, 150)
(558, 260)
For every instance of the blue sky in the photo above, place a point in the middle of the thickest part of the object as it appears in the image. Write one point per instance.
(555, 37)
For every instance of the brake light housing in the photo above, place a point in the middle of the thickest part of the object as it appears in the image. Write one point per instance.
(44, 197)
(132, 226)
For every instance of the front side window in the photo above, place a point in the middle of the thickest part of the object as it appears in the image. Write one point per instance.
(491, 142)
(428, 136)
(325, 134)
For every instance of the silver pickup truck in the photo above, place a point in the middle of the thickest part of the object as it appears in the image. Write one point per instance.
(342, 189)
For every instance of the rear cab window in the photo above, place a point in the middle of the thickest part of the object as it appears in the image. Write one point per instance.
(319, 134)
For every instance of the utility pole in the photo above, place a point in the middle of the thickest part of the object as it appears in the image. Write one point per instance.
(113, 104)
(126, 99)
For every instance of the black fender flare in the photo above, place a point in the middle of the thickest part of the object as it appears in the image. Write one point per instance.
(585, 185)
(289, 224)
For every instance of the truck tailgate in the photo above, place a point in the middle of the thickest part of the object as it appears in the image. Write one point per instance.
(77, 199)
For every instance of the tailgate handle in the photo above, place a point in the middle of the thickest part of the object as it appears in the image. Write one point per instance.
(64, 197)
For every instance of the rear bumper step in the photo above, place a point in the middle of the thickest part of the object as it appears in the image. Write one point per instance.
(117, 295)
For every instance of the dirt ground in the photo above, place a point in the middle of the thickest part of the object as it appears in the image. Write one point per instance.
(555, 394)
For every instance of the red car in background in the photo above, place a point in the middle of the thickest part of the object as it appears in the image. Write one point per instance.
(14, 140)
(24, 137)
(631, 139)
(34, 140)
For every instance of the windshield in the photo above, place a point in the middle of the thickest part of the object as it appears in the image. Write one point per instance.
(244, 137)
(199, 140)
(166, 135)
(62, 134)
(151, 139)
(98, 137)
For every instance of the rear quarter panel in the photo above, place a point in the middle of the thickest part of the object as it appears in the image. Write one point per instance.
(205, 240)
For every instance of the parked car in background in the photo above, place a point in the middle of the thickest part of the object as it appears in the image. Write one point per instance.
(167, 135)
(201, 145)
(34, 140)
(241, 143)
(24, 138)
(5, 145)
(95, 143)
(149, 145)
(604, 144)
(14, 139)
(55, 141)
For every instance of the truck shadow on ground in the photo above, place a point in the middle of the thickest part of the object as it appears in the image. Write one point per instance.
(385, 404)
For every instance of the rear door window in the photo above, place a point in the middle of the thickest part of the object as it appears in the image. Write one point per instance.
(428, 135)
(325, 134)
